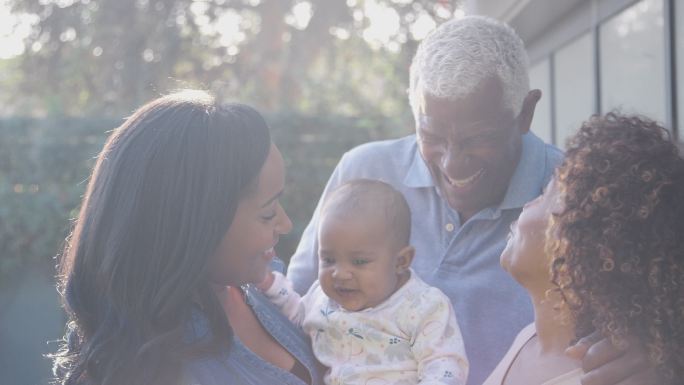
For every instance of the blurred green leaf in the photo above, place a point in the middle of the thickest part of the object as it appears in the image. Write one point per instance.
(45, 164)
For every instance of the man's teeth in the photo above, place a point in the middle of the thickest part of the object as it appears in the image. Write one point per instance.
(465, 181)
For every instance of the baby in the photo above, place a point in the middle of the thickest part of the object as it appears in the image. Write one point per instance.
(370, 318)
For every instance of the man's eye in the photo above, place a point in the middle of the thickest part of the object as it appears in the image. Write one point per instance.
(483, 139)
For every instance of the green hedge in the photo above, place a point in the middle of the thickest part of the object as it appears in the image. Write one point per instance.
(45, 164)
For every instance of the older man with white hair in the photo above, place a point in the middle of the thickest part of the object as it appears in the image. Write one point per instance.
(466, 173)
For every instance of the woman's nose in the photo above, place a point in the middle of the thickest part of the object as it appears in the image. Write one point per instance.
(284, 224)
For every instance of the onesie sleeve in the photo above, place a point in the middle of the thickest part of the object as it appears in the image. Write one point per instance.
(437, 343)
(290, 303)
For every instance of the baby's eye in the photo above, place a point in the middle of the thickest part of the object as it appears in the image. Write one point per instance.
(359, 262)
(327, 260)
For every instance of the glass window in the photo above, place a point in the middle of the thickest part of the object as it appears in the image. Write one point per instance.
(632, 57)
(540, 78)
(574, 86)
(679, 39)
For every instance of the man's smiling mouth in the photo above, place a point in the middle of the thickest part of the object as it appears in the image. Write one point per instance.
(465, 181)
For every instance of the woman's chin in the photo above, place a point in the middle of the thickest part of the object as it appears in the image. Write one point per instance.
(508, 263)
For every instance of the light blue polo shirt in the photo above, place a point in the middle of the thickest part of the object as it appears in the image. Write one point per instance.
(461, 259)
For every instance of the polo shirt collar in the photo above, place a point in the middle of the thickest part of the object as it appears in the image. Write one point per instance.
(528, 178)
(418, 174)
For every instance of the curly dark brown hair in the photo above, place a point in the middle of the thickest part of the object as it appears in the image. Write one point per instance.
(618, 245)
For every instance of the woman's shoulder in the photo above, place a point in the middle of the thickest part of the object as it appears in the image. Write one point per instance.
(523, 336)
(498, 374)
(569, 378)
(276, 323)
(291, 337)
(237, 364)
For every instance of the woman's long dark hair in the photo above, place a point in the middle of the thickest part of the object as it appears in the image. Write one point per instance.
(162, 195)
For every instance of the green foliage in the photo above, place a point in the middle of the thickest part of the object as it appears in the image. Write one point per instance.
(97, 58)
(312, 146)
(109, 56)
(45, 164)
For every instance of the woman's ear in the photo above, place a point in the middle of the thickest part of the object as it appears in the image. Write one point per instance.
(404, 258)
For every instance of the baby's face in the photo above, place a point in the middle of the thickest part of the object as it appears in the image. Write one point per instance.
(358, 267)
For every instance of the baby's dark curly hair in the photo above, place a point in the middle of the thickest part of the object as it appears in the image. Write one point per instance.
(618, 244)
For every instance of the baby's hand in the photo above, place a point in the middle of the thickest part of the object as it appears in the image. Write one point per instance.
(267, 282)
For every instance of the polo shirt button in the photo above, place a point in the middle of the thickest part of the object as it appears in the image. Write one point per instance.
(449, 227)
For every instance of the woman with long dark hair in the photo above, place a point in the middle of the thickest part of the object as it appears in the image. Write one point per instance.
(180, 214)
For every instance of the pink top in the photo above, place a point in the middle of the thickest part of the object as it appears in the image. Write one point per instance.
(497, 377)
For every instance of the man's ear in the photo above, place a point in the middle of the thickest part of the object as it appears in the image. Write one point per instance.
(527, 110)
(404, 258)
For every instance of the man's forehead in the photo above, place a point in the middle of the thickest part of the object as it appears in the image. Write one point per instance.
(483, 104)
(475, 121)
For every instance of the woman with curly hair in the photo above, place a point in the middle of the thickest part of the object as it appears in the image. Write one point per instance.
(602, 252)
(181, 214)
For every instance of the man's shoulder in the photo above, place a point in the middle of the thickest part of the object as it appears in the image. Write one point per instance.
(386, 159)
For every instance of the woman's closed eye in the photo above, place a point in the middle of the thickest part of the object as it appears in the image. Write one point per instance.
(270, 211)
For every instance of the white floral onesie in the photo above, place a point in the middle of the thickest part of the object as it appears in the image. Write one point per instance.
(411, 338)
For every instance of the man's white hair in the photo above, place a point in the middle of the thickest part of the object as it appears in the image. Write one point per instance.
(455, 58)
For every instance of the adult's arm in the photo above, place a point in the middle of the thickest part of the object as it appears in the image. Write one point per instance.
(302, 270)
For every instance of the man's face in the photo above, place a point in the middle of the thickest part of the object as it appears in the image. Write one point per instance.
(471, 146)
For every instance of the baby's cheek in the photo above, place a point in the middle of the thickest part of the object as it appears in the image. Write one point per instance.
(324, 280)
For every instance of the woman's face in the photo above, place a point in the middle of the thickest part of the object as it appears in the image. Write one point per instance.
(246, 250)
(524, 257)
